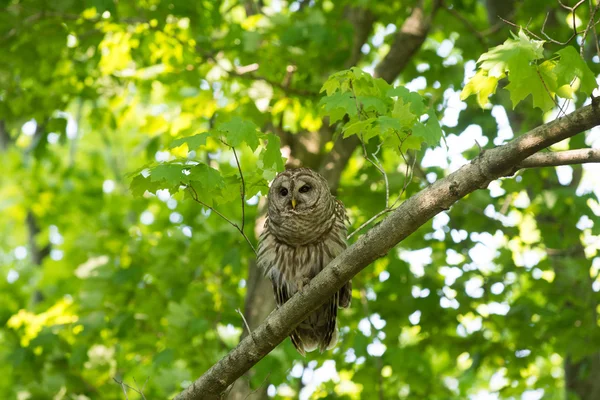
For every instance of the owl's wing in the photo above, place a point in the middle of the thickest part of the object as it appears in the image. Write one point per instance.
(282, 290)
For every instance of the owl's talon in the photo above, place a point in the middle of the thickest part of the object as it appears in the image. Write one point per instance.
(302, 283)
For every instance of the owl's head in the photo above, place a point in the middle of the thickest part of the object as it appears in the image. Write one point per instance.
(298, 191)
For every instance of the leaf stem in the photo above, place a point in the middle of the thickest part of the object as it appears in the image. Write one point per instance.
(242, 189)
(194, 195)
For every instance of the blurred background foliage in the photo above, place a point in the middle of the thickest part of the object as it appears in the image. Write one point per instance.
(496, 298)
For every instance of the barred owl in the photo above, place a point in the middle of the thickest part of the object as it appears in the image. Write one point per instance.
(305, 229)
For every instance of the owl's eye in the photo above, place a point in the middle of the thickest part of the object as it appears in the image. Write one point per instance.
(283, 192)
(304, 189)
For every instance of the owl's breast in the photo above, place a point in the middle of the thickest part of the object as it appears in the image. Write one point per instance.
(299, 230)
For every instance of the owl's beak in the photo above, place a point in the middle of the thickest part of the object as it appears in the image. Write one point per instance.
(293, 203)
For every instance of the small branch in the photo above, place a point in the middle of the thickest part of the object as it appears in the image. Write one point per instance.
(194, 195)
(568, 157)
(249, 74)
(377, 165)
(587, 28)
(480, 36)
(385, 177)
(367, 222)
(554, 100)
(388, 208)
(258, 388)
(408, 41)
(242, 189)
(141, 391)
(125, 386)
(237, 310)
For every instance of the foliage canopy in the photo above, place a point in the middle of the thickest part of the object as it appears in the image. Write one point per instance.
(137, 139)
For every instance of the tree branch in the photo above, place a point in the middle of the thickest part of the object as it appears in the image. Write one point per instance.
(569, 157)
(408, 41)
(402, 222)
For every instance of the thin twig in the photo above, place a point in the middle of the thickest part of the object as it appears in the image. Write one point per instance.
(237, 310)
(374, 217)
(408, 176)
(526, 29)
(125, 386)
(194, 195)
(377, 165)
(480, 36)
(242, 189)
(587, 28)
(140, 391)
(389, 208)
(556, 103)
(258, 388)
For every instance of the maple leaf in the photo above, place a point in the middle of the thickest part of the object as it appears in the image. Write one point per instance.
(238, 131)
(193, 142)
(571, 66)
(537, 81)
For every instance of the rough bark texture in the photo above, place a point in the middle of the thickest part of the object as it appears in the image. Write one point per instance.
(568, 157)
(407, 218)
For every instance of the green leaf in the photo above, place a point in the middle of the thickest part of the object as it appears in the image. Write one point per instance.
(357, 127)
(539, 81)
(330, 86)
(370, 103)
(415, 100)
(337, 105)
(482, 85)
(208, 177)
(510, 55)
(389, 123)
(402, 113)
(337, 81)
(271, 155)
(193, 142)
(570, 66)
(139, 184)
(238, 131)
(431, 131)
(514, 57)
(169, 172)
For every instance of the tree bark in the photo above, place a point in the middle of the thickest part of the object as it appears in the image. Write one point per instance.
(407, 218)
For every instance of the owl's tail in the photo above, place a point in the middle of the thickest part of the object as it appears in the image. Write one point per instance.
(320, 329)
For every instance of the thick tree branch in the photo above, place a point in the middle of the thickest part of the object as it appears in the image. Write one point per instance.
(569, 157)
(363, 21)
(408, 41)
(406, 219)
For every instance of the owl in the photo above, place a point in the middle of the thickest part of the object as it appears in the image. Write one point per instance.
(305, 229)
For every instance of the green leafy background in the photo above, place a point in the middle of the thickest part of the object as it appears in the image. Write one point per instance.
(115, 115)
